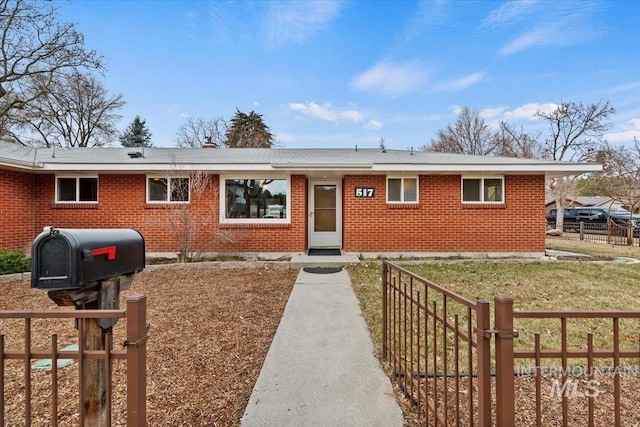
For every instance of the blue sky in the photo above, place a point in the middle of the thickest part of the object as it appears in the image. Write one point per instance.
(339, 74)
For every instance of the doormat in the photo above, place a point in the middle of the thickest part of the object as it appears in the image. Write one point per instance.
(322, 270)
(324, 252)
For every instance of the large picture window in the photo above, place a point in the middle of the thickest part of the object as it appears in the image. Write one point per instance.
(483, 190)
(77, 189)
(255, 200)
(167, 190)
(402, 190)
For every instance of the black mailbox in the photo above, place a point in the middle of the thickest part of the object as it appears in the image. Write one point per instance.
(73, 258)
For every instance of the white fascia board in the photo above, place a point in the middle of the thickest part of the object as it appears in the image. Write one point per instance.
(144, 168)
(322, 166)
(559, 168)
(21, 164)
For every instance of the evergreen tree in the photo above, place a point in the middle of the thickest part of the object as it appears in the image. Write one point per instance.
(136, 135)
(248, 131)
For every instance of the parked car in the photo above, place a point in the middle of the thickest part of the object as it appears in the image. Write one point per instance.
(574, 216)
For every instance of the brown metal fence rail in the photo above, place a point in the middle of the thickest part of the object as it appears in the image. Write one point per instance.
(134, 355)
(437, 344)
(590, 389)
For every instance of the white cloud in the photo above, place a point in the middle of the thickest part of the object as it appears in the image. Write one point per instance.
(295, 22)
(626, 87)
(256, 103)
(374, 124)
(509, 13)
(542, 36)
(528, 111)
(627, 133)
(455, 108)
(327, 112)
(562, 23)
(460, 83)
(172, 108)
(491, 112)
(391, 80)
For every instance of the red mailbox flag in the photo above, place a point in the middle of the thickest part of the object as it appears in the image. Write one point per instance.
(110, 251)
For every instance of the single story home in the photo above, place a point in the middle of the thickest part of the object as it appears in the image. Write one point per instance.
(276, 201)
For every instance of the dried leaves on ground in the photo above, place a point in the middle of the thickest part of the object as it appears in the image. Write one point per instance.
(210, 332)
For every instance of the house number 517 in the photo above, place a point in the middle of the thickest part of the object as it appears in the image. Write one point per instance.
(364, 192)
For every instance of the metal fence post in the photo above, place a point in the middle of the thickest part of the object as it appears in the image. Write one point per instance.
(137, 360)
(483, 334)
(385, 302)
(581, 230)
(505, 391)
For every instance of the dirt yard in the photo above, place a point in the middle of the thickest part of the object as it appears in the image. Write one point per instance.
(210, 332)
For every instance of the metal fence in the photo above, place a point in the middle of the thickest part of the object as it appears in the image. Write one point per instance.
(438, 345)
(611, 233)
(134, 355)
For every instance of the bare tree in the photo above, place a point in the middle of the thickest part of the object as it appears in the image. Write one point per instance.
(76, 111)
(196, 132)
(34, 44)
(470, 134)
(514, 142)
(575, 132)
(620, 177)
(191, 227)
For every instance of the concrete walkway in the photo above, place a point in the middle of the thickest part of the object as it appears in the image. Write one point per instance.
(320, 369)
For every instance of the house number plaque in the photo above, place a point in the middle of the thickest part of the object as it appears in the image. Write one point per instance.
(365, 192)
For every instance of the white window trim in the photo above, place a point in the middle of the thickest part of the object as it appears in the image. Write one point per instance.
(168, 178)
(223, 201)
(402, 178)
(482, 178)
(77, 178)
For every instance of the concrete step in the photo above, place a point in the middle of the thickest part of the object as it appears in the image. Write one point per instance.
(303, 261)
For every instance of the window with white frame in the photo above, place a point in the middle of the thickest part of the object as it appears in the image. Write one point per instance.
(162, 189)
(254, 200)
(483, 190)
(76, 189)
(402, 190)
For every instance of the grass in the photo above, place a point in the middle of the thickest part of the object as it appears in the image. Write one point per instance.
(591, 248)
(534, 286)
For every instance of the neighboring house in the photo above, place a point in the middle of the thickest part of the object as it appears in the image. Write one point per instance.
(367, 201)
(585, 201)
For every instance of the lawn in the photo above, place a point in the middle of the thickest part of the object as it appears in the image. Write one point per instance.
(536, 286)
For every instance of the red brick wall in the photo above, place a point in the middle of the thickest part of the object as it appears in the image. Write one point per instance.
(122, 204)
(441, 223)
(17, 210)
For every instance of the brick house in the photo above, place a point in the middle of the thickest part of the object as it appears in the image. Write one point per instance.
(279, 201)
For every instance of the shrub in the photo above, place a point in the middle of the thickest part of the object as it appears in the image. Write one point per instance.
(13, 262)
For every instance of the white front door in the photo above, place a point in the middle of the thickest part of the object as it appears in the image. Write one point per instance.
(325, 214)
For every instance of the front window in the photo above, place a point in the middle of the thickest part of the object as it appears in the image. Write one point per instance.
(167, 190)
(402, 190)
(483, 190)
(255, 200)
(77, 189)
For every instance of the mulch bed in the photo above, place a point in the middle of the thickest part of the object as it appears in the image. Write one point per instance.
(210, 332)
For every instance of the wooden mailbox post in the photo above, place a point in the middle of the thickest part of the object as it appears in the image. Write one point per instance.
(87, 269)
